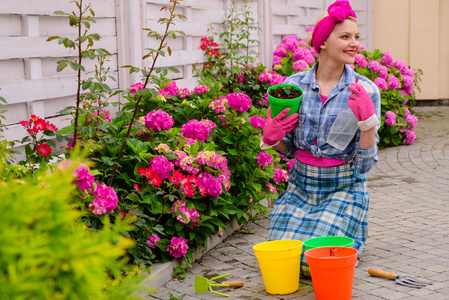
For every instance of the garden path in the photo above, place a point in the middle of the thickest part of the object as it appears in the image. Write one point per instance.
(408, 228)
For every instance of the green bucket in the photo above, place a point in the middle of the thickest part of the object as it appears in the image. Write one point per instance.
(278, 105)
(328, 241)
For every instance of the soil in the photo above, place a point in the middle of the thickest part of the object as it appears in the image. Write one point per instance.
(280, 93)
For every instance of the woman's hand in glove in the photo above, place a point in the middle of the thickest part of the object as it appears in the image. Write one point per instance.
(362, 106)
(275, 129)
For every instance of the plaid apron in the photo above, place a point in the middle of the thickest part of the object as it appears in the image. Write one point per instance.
(321, 201)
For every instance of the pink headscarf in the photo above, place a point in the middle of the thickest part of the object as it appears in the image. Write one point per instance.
(338, 12)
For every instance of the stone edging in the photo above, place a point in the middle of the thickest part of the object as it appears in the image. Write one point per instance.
(161, 273)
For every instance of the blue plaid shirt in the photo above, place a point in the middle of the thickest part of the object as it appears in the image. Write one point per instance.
(315, 119)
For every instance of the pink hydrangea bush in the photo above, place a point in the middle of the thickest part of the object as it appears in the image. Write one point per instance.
(396, 82)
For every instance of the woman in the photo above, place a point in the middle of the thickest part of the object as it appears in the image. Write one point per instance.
(327, 191)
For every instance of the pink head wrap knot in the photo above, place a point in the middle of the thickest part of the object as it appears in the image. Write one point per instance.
(338, 12)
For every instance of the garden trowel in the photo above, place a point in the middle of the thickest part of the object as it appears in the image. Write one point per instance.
(402, 280)
(202, 284)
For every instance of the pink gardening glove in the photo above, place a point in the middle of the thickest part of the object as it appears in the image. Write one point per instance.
(275, 129)
(362, 107)
(360, 103)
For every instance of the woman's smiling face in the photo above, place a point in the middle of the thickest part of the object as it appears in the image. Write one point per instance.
(343, 43)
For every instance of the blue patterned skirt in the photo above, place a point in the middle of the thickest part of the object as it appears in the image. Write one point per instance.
(321, 201)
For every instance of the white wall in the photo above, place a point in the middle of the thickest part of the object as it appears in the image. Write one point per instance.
(31, 85)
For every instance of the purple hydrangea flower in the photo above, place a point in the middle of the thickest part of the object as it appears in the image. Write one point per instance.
(158, 120)
(390, 118)
(239, 101)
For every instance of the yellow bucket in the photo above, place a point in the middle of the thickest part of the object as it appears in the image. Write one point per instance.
(279, 262)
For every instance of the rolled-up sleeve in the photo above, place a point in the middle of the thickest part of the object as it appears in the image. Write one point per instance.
(366, 158)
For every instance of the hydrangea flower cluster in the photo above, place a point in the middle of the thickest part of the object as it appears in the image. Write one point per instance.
(219, 105)
(300, 56)
(162, 166)
(280, 175)
(160, 169)
(178, 247)
(136, 87)
(185, 215)
(390, 118)
(152, 241)
(271, 188)
(264, 159)
(201, 89)
(195, 129)
(158, 120)
(170, 90)
(239, 101)
(257, 122)
(105, 200)
(272, 77)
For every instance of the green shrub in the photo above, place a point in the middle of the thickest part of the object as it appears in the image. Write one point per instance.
(47, 253)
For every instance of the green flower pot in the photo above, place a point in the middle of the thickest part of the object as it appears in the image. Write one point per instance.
(277, 105)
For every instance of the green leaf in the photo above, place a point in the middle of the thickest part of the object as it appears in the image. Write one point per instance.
(60, 12)
(61, 66)
(55, 37)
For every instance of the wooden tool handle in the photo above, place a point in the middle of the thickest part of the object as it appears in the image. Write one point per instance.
(235, 283)
(381, 273)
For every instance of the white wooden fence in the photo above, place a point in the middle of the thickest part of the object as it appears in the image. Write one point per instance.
(31, 85)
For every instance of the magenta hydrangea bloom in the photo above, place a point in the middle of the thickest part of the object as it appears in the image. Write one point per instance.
(158, 120)
(264, 159)
(210, 185)
(407, 82)
(257, 122)
(360, 60)
(410, 135)
(280, 51)
(178, 247)
(106, 199)
(136, 87)
(300, 53)
(161, 165)
(412, 120)
(184, 93)
(393, 82)
(209, 124)
(383, 72)
(239, 101)
(241, 78)
(390, 118)
(291, 42)
(181, 155)
(280, 175)
(170, 90)
(387, 59)
(201, 89)
(219, 105)
(194, 129)
(277, 61)
(152, 241)
(381, 83)
(84, 179)
(271, 188)
(300, 65)
(374, 66)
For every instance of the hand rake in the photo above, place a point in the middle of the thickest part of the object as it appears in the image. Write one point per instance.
(202, 284)
(403, 280)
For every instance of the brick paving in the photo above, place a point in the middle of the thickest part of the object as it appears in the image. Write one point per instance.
(408, 228)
